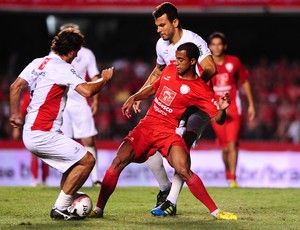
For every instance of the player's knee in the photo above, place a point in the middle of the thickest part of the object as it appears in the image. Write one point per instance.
(90, 160)
(183, 172)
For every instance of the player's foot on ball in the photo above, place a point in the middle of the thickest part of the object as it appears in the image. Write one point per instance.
(57, 214)
(96, 213)
(221, 215)
(161, 197)
(97, 184)
(233, 184)
(165, 209)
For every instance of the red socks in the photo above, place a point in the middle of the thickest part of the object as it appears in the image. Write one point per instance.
(108, 186)
(230, 176)
(199, 191)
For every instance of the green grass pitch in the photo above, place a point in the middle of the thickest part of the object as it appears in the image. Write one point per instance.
(129, 208)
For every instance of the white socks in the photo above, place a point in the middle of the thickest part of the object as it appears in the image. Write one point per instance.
(214, 213)
(155, 163)
(63, 201)
(177, 184)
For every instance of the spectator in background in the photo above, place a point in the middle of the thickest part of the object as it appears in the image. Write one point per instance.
(16, 134)
(293, 132)
(78, 120)
(231, 72)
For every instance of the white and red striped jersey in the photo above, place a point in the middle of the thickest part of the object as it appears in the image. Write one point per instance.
(48, 78)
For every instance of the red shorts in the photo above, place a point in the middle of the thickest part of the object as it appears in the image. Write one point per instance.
(229, 131)
(145, 141)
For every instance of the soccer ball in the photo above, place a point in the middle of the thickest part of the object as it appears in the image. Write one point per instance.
(81, 206)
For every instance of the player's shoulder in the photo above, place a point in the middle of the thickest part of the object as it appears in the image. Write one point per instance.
(192, 36)
(232, 58)
(85, 52)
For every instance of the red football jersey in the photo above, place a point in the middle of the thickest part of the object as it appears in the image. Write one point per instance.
(230, 74)
(175, 94)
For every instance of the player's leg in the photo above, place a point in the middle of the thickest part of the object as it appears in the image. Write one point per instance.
(90, 145)
(45, 173)
(179, 159)
(84, 129)
(34, 166)
(232, 129)
(195, 125)
(124, 156)
(68, 157)
(155, 163)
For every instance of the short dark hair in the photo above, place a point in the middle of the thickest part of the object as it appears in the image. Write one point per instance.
(192, 51)
(166, 8)
(66, 41)
(217, 35)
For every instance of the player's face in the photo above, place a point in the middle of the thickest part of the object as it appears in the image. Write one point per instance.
(183, 63)
(165, 28)
(217, 47)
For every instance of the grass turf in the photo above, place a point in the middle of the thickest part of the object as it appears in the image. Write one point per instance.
(129, 208)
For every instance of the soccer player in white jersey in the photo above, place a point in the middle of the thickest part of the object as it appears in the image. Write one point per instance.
(194, 121)
(49, 79)
(78, 121)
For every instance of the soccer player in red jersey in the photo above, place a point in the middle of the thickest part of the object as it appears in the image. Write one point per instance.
(178, 87)
(231, 72)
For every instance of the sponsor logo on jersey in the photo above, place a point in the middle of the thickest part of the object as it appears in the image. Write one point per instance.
(200, 51)
(74, 72)
(167, 78)
(37, 74)
(184, 89)
(167, 95)
(162, 106)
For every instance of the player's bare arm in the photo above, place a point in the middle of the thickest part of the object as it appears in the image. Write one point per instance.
(89, 89)
(209, 68)
(248, 92)
(224, 102)
(143, 93)
(15, 94)
(95, 101)
(155, 74)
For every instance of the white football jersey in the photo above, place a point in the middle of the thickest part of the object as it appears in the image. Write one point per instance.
(48, 79)
(166, 51)
(85, 65)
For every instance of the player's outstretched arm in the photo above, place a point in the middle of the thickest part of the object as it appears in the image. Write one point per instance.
(89, 89)
(143, 93)
(155, 74)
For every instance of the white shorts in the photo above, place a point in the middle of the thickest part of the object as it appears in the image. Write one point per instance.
(56, 149)
(78, 121)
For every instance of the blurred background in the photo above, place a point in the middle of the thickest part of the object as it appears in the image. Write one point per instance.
(121, 33)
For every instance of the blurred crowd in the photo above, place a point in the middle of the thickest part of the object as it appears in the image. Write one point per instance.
(275, 84)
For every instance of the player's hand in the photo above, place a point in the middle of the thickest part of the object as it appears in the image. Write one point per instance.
(136, 106)
(94, 107)
(224, 101)
(251, 113)
(127, 106)
(16, 121)
(106, 74)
